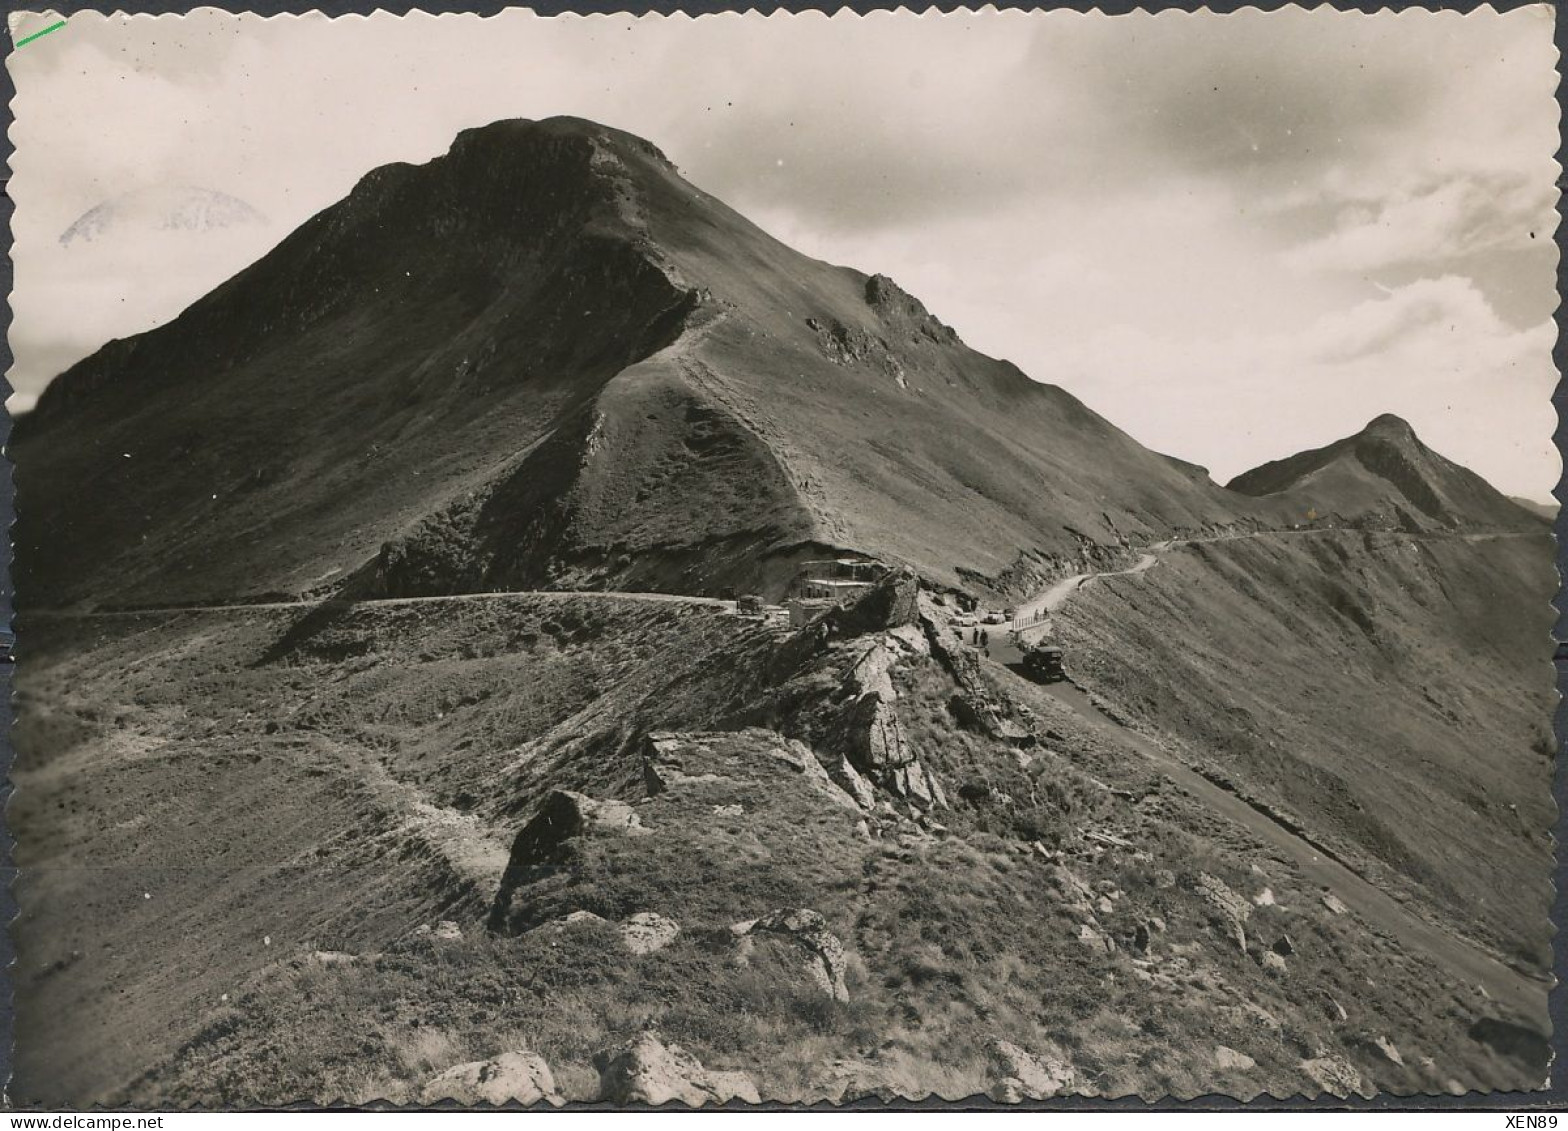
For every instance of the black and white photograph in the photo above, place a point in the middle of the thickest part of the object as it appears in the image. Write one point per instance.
(795, 559)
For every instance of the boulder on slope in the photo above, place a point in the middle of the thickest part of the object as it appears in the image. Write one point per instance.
(647, 1071)
(513, 1077)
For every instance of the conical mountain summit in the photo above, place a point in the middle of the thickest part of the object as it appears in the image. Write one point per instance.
(546, 360)
(1383, 475)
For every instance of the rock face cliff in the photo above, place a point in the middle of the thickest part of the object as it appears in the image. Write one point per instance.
(546, 360)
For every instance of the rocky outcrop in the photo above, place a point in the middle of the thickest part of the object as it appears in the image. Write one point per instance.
(513, 1077)
(892, 603)
(869, 734)
(1019, 1074)
(662, 765)
(873, 735)
(544, 845)
(647, 1071)
(695, 761)
(904, 315)
(337, 957)
(1332, 1073)
(1389, 1050)
(825, 961)
(642, 933)
(648, 931)
(847, 1081)
(1229, 1060)
(1232, 910)
(444, 931)
(1095, 940)
(850, 345)
(844, 775)
(565, 815)
(976, 707)
(577, 919)
(833, 688)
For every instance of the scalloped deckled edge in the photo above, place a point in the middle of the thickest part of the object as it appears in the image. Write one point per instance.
(1557, 1089)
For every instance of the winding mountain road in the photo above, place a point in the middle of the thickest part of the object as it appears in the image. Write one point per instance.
(1032, 619)
(393, 602)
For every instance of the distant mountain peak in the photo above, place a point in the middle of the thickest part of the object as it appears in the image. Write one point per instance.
(1383, 475)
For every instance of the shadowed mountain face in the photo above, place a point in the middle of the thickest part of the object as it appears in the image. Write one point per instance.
(1384, 476)
(545, 359)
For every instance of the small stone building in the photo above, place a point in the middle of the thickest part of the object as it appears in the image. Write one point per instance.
(804, 610)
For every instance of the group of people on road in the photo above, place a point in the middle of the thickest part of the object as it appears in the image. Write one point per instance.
(982, 638)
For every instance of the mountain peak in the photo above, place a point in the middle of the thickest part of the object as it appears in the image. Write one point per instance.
(1390, 426)
(1382, 475)
(512, 133)
(544, 359)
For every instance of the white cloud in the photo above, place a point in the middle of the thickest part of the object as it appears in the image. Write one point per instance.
(1431, 222)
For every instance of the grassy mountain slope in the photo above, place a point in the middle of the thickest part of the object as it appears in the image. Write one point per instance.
(349, 844)
(905, 443)
(1547, 511)
(414, 341)
(1392, 693)
(351, 780)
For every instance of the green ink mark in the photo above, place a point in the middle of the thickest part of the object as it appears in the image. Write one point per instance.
(37, 34)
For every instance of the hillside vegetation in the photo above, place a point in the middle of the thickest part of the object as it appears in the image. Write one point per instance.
(1393, 693)
(870, 864)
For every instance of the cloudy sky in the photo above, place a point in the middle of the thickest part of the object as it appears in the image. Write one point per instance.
(1236, 236)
